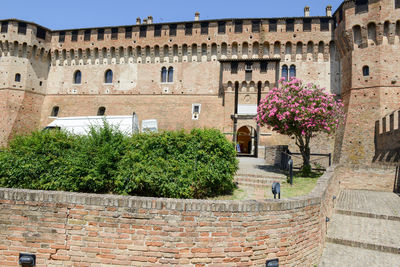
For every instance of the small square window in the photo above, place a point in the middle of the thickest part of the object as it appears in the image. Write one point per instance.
(128, 32)
(172, 30)
(100, 34)
(255, 26)
(263, 66)
(157, 30)
(87, 35)
(61, 37)
(74, 36)
(143, 31)
(188, 29)
(204, 28)
(114, 33)
(234, 67)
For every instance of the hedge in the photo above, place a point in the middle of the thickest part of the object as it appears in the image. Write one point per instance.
(170, 164)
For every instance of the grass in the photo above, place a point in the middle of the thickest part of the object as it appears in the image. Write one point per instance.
(301, 186)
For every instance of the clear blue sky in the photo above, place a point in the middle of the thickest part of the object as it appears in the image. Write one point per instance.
(66, 14)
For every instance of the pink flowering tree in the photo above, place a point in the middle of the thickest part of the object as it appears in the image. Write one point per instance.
(300, 111)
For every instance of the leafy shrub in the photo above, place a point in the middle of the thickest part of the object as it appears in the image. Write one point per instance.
(169, 164)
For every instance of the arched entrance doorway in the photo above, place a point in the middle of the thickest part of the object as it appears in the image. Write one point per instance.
(246, 141)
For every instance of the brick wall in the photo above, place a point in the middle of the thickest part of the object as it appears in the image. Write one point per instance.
(74, 229)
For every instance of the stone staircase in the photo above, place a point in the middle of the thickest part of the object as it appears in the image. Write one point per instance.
(254, 172)
(364, 230)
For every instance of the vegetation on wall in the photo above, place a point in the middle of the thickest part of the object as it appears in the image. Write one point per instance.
(198, 164)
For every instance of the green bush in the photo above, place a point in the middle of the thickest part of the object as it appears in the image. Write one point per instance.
(169, 164)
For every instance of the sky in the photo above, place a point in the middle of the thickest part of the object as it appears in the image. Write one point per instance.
(68, 14)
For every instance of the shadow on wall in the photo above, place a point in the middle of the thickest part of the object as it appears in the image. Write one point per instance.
(387, 140)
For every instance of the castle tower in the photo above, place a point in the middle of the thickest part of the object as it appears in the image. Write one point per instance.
(367, 35)
(24, 62)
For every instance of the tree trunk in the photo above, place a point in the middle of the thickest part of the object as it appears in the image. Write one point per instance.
(304, 146)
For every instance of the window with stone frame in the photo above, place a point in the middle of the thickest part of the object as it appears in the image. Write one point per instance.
(114, 33)
(188, 29)
(61, 37)
(74, 36)
(273, 25)
(221, 27)
(157, 30)
(204, 28)
(4, 26)
(143, 31)
(100, 34)
(172, 29)
(255, 25)
(86, 36)
(306, 25)
(128, 32)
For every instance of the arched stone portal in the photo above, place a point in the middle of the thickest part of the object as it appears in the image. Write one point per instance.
(246, 140)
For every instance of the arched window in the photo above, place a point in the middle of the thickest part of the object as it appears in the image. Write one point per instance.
(292, 71)
(101, 111)
(285, 72)
(17, 77)
(108, 77)
(77, 77)
(365, 70)
(164, 75)
(170, 74)
(54, 111)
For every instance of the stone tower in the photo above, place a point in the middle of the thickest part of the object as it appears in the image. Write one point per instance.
(24, 62)
(367, 35)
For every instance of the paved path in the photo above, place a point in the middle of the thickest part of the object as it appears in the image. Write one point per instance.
(364, 230)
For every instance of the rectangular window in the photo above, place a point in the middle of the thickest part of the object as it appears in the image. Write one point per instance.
(238, 26)
(248, 67)
(361, 6)
(41, 33)
(221, 27)
(4, 26)
(255, 26)
(290, 25)
(273, 25)
(306, 25)
(157, 30)
(100, 34)
(234, 67)
(22, 28)
(188, 28)
(196, 108)
(397, 4)
(324, 24)
(172, 30)
(114, 33)
(87, 35)
(263, 66)
(143, 31)
(128, 32)
(74, 36)
(204, 28)
(61, 37)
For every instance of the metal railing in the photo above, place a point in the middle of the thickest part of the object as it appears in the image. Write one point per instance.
(286, 156)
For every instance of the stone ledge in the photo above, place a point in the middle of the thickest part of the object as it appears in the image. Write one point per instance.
(314, 198)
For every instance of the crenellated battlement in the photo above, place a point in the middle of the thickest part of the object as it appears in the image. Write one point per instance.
(387, 136)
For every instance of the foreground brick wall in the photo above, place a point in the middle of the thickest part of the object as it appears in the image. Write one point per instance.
(73, 229)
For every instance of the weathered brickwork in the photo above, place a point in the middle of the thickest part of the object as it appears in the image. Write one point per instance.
(73, 229)
(202, 57)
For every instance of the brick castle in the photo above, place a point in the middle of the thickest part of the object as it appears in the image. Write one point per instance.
(206, 73)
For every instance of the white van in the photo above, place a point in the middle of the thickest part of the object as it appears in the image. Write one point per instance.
(81, 125)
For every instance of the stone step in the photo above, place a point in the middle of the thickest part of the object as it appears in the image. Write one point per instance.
(252, 181)
(369, 233)
(336, 255)
(368, 215)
